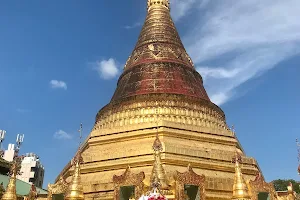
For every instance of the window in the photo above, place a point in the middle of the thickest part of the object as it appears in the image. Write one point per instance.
(33, 169)
(58, 197)
(32, 180)
(126, 192)
(263, 196)
(192, 192)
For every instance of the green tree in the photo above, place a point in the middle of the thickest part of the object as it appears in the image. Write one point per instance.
(281, 185)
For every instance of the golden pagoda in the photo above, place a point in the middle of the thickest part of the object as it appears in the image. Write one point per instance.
(160, 92)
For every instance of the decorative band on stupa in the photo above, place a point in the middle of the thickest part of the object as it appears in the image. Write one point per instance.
(153, 3)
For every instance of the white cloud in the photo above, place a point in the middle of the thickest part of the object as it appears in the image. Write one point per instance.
(256, 35)
(135, 25)
(22, 110)
(55, 84)
(179, 8)
(60, 134)
(107, 69)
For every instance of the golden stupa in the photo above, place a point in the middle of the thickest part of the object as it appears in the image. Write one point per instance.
(160, 92)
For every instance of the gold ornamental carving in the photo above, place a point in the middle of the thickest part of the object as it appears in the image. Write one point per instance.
(129, 179)
(33, 194)
(60, 187)
(170, 108)
(162, 52)
(189, 178)
(164, 3)
(259, 185)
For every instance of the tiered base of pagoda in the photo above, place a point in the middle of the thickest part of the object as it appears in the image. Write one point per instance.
(110, 152)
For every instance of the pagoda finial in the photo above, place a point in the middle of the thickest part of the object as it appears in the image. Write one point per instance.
(240, 190)
(75, 191)
(158, 3)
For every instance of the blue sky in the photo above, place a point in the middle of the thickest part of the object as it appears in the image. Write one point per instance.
(60, 61)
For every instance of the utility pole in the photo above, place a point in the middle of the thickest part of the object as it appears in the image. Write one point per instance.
(298, 149)
(2, 136)
(19, 141)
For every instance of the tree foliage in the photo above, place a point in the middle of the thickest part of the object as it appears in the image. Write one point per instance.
(281, 185)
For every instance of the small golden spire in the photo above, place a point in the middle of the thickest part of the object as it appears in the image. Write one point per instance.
(158, 3)
(240, 190)
(11, 192)
(32, 195)
(75, 191)
(2, 190)
(158, 176)
(291, 194)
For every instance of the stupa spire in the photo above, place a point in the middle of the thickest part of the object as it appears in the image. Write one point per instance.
(240, 189)
(75, 191)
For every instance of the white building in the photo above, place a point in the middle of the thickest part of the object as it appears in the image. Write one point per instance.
(32, 171)
(9, 153)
